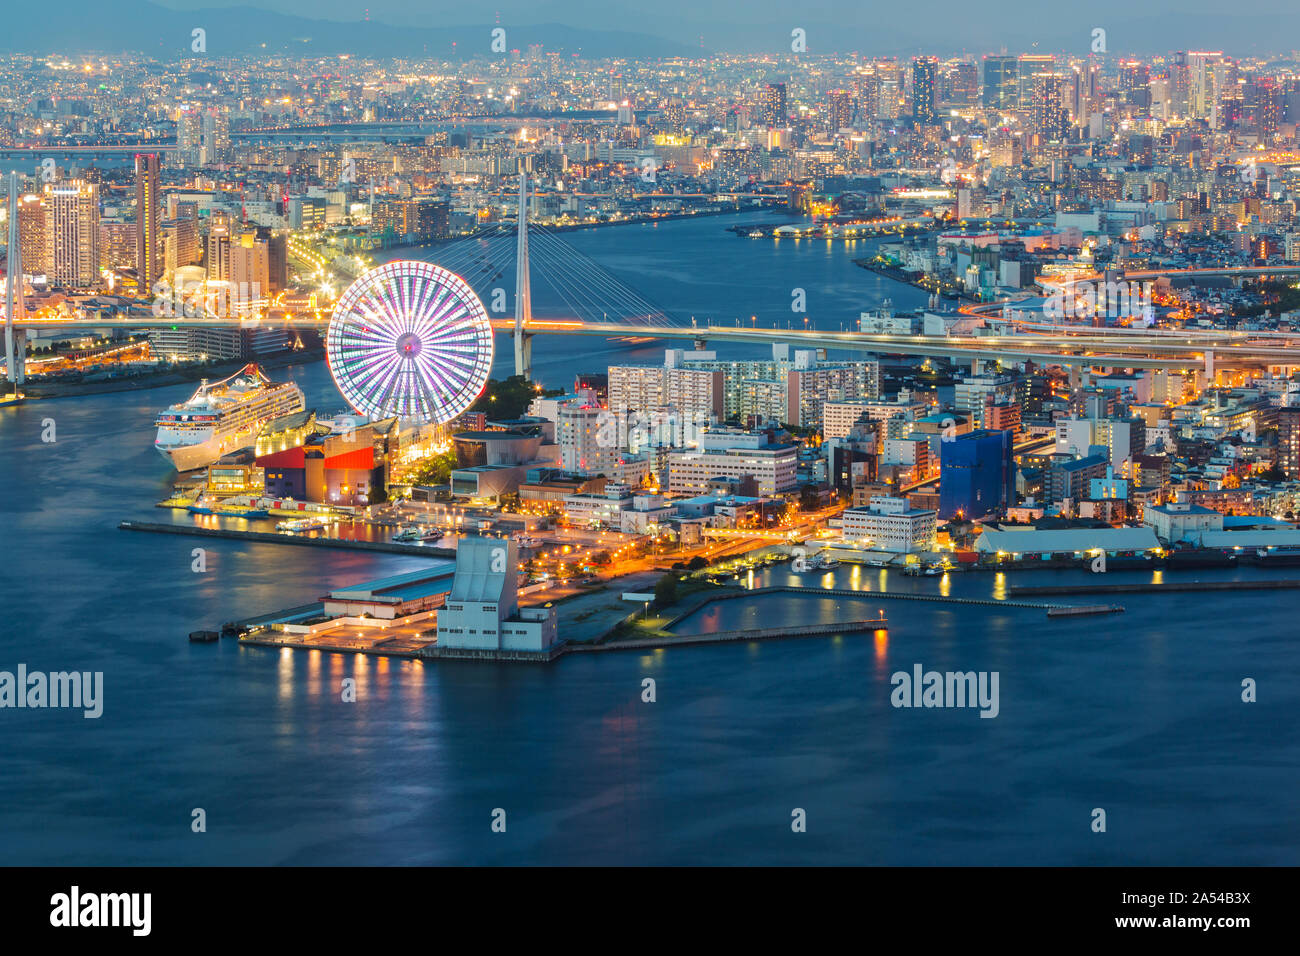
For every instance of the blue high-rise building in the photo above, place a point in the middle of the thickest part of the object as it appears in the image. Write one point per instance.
(977, 474)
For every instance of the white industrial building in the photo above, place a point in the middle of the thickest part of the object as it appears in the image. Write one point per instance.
(1075, 541)
(482, 611)
(1181, 521)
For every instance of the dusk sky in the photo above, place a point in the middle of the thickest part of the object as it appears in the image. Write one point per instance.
(839, 25)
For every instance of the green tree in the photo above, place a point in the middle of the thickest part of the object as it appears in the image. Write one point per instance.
(504, 399)
(666, 590)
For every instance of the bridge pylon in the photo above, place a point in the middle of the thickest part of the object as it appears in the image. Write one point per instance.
(15, 338)
(523, 290)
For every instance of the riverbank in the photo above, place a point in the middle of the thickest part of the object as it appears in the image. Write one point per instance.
(949, 292)
(768, 230)
(718, 209)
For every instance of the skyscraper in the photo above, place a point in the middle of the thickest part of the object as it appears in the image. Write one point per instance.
(924, 71)
(963, 81)
(1028, 66)
(774, 106)
(1050, 116)
(1000, 83)
(1206, 78)
(840, 109)
(72, 233)
(31, 231)
(148, 222)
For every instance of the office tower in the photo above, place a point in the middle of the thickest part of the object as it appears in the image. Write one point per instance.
(1048, 111)
(1028, 66)
(774, 105)
(840, 110)
(1001, 83)
(889, 90)
(1133, 75)
(1085, 93)
(72, 233)
(963, 82)
(31, 232)
(148, 222)
(976, 474)
(1206, 79)
(1264, 97)
(924, 71)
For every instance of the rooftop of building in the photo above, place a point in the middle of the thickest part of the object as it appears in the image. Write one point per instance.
(434, 579)
(491, 436)
(1180, 508)
(1032, 540)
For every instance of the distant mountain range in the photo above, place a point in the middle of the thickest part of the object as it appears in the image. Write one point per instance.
(140, 26)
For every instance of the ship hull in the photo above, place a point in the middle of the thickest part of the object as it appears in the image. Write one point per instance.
(192, 457)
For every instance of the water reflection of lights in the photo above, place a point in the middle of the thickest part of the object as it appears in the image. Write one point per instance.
(285, 673)
(314, 672)
(945, 585)
(1000, 586)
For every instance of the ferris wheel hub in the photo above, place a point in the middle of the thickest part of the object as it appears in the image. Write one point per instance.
(408, 345)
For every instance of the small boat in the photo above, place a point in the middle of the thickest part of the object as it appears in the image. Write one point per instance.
(199, 510)
(932, 571)
(302, 524)
(203, 637)
(410, 534)
(241, 513)
(756, 234)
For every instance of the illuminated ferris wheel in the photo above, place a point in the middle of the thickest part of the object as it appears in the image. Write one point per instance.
(410, 339)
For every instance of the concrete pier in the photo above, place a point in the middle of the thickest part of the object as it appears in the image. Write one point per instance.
(277, 537)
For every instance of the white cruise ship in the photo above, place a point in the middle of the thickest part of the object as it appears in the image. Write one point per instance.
(222, 417)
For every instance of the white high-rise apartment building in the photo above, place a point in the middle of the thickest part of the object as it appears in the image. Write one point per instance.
(72, 233)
